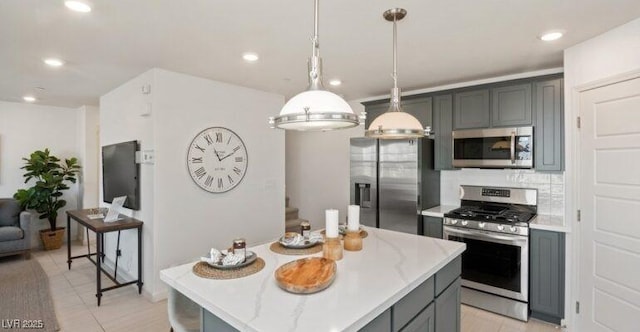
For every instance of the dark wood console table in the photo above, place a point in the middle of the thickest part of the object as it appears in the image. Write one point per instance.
(100, 227)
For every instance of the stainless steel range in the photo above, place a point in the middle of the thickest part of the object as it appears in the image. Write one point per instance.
(494, 223)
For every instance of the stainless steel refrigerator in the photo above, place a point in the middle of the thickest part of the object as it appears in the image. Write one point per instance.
(393, 181)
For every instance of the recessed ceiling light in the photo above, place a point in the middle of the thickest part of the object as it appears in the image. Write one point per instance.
(250, 57)
(53, 62)
(78, 6)
(335, 82)
(29, 99)
(549, 36)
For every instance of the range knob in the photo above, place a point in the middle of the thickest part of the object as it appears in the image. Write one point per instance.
(464, 223)
(454, 221)
(481, 224)
(500, 228)
(514, 229)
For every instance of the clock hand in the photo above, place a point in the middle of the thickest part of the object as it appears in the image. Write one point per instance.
(234, 151)
(217, 155)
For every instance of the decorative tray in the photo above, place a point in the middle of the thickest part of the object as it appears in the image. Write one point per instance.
(250, 258)
(289, 241)
(307, 275)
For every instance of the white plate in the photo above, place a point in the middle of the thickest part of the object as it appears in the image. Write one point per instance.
(251, 257)
(303, 245)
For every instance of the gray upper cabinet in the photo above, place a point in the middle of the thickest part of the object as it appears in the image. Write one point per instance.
(511, 106)
(471, 109)
(442, 127)
(547, 275)
(549, 124)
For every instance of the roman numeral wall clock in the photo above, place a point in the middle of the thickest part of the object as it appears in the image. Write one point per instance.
(217, 159)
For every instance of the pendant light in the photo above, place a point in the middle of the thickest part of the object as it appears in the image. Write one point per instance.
(315, 109)
(394, 123)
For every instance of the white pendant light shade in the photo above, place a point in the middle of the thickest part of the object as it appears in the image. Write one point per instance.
(315, 110)
(395, 125)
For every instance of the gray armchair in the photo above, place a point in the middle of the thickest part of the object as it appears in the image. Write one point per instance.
(15, 228)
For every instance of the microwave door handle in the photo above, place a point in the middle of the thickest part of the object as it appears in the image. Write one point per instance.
(513, 147)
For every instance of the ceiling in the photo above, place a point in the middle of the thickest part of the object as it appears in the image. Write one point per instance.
(439, 42)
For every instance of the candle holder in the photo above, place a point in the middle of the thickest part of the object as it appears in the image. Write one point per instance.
(352, 241)
(332, 249)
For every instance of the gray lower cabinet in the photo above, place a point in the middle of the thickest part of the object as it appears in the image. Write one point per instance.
(546, 275)
(511, 106)
(448, 311)
(382, 323)
(432, 226)
(442, 128)
(418, 310)
(471, 109)
(549, 125)
(424, 321)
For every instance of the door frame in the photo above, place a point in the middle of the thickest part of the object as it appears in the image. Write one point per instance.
(572, 173)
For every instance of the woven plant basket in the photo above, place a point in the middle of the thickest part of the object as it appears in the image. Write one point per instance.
(52, 240)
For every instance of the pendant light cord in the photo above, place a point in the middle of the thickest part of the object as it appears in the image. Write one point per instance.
(394, 104)
(315, 82)
(395, 54)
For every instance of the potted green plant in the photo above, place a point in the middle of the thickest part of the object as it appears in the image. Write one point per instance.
(45, 196)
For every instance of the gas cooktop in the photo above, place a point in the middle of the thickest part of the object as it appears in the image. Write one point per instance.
(491, 213)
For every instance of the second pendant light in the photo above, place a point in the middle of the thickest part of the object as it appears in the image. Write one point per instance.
(395, 124)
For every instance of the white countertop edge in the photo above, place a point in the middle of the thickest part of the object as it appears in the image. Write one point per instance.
(439, 211)
(549, 223)
(553, 228)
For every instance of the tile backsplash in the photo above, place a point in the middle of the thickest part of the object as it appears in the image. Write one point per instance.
(550, 185)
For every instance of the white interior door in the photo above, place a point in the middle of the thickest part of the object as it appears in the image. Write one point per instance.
(610, 206)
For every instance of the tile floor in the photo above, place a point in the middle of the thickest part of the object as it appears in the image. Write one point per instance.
(73, 293)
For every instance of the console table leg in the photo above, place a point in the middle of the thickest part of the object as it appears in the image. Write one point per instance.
(69, 241)
(99, 252)
(139, 260)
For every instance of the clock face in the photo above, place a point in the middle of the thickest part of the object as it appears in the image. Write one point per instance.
(217, 159)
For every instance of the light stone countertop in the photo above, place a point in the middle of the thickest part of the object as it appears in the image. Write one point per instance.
(439, 211)
(549, 223)
(390, 265)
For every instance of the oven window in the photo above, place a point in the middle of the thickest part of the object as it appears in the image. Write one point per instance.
(491, 263)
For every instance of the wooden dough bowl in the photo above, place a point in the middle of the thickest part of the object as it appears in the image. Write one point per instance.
(307, 275)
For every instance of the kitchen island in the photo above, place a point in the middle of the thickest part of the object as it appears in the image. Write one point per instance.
(413, 274)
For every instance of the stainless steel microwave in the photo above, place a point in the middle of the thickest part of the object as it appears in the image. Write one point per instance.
(493, 148)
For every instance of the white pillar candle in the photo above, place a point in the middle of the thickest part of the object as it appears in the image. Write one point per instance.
(354, 217)
(331, 227)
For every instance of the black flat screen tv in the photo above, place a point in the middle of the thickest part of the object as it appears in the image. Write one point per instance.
(121, 173)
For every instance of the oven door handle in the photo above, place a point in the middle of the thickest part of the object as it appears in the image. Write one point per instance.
(508, 239)
(513, 147)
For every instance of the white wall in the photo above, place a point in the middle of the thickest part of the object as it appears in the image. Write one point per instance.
(614, 53)
(183, 221)
(89, 155)
(121, 121)
(318, 171)
(25, 128)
